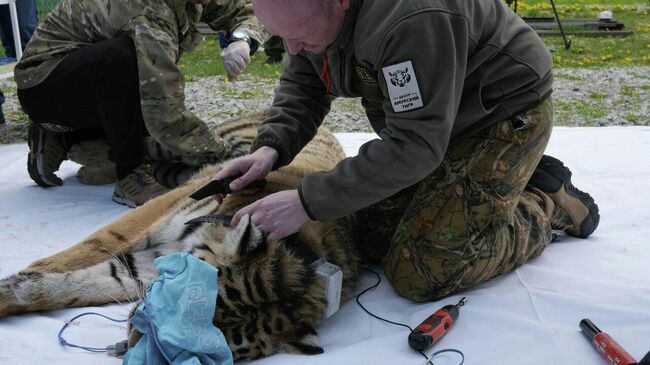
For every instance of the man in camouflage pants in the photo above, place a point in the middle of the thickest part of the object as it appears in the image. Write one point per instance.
(109, 68)
(472, 218)
(456, 189)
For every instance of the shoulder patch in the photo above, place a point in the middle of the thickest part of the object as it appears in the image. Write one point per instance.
(402, 85)
(364, 75)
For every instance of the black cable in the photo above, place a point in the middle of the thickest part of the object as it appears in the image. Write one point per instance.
(376, 316)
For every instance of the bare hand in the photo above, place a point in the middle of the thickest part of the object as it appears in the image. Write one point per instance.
(253, 167)
(278, 215)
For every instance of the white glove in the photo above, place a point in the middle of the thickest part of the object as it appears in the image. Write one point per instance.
(235, 58)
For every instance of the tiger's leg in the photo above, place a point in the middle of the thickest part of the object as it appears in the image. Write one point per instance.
(120, 279)
(119, 236)
(471, 219)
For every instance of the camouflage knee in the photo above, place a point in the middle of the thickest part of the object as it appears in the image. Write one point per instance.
(468, 221)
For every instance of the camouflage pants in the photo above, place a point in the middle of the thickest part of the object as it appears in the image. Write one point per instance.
(468, 221)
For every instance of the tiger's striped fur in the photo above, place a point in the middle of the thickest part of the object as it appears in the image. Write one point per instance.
(269, 297)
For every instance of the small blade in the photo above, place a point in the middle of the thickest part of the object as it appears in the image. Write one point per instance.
(214, 187)
(211, 218)
(222, 186)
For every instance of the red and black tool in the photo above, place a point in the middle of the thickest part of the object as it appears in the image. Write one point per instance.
(610, 349)
(434, 327)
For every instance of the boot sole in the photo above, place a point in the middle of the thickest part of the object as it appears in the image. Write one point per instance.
(35, 159)
(118, 199)
(552, 183)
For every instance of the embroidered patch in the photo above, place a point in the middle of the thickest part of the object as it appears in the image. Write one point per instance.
(364, 75)
(403, 89)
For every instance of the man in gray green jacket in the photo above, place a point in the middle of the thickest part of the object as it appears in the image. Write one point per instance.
(456, 190)
(109, 68)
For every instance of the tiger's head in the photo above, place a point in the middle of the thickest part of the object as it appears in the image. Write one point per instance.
(400, 77)
(268, 299)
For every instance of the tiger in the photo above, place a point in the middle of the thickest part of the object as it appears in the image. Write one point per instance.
(269, 297)
(400, 77)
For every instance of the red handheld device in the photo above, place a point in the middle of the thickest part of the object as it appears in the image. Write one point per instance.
(433, 328)
(610, 349)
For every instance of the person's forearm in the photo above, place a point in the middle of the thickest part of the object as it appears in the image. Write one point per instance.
(300, 105)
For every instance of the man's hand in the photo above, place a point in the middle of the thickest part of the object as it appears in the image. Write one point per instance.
(252, 167)
(278, 215)
(235, 58)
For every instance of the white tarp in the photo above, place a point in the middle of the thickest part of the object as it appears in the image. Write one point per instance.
(529, 316)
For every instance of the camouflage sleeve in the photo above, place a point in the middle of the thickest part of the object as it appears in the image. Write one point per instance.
(234, 14)
(163, 97)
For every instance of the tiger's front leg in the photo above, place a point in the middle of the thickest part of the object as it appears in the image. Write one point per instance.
(119, 236)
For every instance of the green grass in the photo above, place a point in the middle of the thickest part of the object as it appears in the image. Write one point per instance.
(584, 52)
(599, 51)
(206, 60)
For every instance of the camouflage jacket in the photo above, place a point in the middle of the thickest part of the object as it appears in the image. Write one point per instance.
(161, 32)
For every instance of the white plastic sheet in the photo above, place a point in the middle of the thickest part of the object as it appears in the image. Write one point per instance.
(529, 316)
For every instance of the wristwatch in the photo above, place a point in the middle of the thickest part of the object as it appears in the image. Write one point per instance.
(241, 35)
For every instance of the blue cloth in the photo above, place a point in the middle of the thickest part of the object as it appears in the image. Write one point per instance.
(176, 316)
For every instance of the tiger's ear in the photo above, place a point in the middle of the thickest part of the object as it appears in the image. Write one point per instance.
(306, 342)
(248, 239)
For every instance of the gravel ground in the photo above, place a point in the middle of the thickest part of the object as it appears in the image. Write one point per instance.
(583, 97)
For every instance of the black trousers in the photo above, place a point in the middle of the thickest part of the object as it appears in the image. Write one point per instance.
(94, 91)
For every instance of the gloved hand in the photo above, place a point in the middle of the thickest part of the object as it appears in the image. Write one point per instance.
(235, 58)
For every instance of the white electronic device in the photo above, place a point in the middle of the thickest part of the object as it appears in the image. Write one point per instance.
(333, 277)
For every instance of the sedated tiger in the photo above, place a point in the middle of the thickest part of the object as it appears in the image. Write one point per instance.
(269, 296)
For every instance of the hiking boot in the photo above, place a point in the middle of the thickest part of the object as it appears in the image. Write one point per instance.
(89, 152)
(97, 174)
(137, 188)
(97, 169)
(47, 151)
(575, 211)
